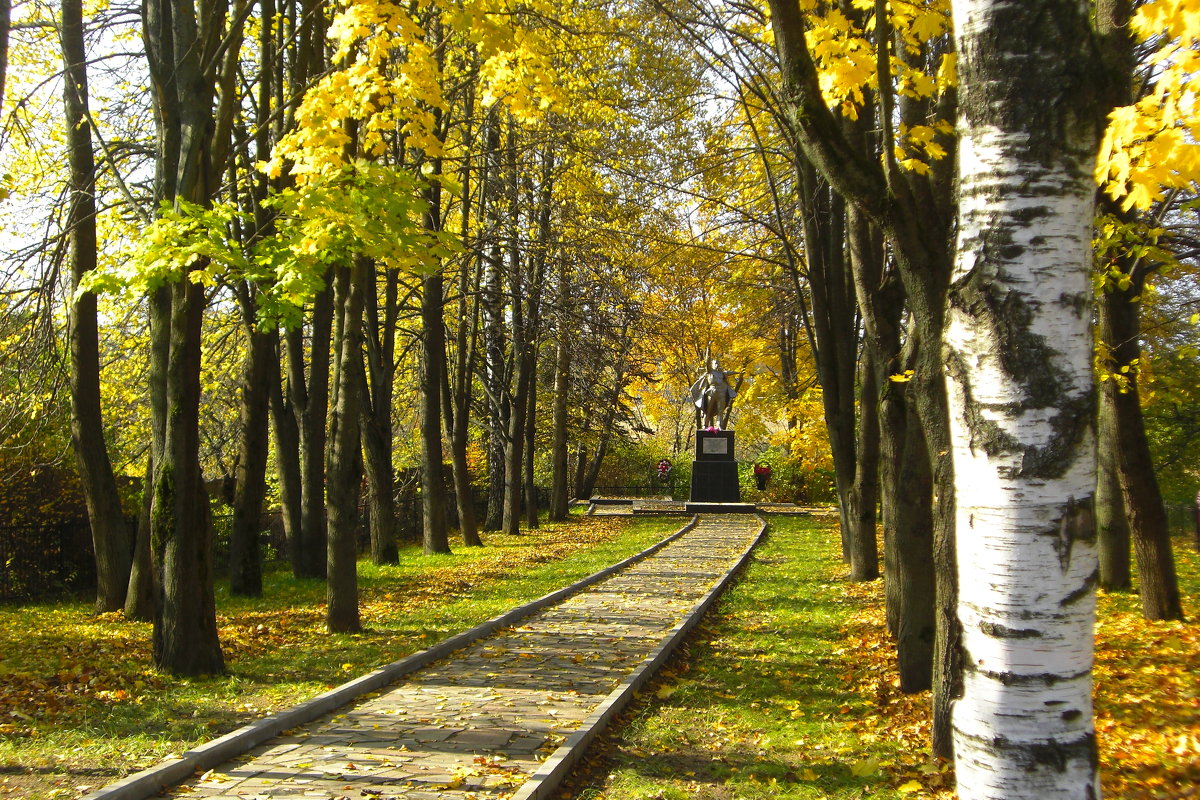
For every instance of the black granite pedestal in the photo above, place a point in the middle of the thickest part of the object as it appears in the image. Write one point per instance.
(714, 471)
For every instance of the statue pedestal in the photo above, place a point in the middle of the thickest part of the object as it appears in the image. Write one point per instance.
(714, 471)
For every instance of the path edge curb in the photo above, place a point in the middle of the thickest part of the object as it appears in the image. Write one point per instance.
(547, 778)
(150, 781)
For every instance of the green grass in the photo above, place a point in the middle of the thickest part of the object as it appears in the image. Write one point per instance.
(759, 704)
(80, 704)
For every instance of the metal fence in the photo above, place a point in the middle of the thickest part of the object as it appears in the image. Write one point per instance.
(57, 560)
(633, 491)
(42, 561)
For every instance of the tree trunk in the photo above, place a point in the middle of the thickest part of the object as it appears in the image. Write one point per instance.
(530, 433)
(1112, 527)
(914, 214)
(342, 470)
(435, 538)
(456, 409)
(533, 320)
(905, 479)
(559, 491)
(312, 401)
(377, 392)
(185, 630)
(287, 467)
(142, 594)
(491, 298)
(458, 433)
(866, 258)
(1119, 332)
(582, 491)
(110, 533)
(191, 143)
(519, 292)
(457, 401)
(1022, 404)
(834, 327)
(245, 551)
(1144, 509)
(908, 526)
(144, 578)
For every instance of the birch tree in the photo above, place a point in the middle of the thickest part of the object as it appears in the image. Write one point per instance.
(1021, 398)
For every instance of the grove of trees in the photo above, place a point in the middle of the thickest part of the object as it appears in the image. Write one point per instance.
(318, 250)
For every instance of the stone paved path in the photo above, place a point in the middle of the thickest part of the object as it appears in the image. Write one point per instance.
(479, 724)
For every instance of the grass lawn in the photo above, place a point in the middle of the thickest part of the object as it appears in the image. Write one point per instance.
(80, 705)
(788, 691)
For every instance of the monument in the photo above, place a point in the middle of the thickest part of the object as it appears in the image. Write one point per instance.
(714, 470)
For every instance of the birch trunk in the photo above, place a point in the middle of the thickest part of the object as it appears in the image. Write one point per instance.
(1021, 399)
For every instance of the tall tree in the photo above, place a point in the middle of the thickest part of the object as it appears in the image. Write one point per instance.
(1126, 270)
(1020, 381)
(344, 456)
(911, 208)
(189, 53)
(110, 533)
(377, 397)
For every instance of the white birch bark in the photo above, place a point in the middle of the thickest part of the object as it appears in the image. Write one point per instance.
(1019, 380)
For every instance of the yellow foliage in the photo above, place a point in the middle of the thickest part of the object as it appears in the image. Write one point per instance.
(388, 78)
(1151, 146)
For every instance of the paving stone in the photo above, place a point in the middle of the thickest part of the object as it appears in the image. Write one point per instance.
(514, 695)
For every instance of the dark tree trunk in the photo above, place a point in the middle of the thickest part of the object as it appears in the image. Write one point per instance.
(456, 410)
(1112, 528)
(531, 503)
(1147, 516)
(866, 257)
(245, 551)
(142, 594)
(343, 473)
(1121, 336)
(312, 401)
(908, 543)
(519, 291)
(513, 456)
(933, 412)
(834, 332)
(559, 491)
(192, 141)
(185, 631)
(534, 325)
(914, 214)
(287, 467)
(144, 577)
(110, 533)
(582, 492)
(435, 537)
(377, 418)
(5, 27)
